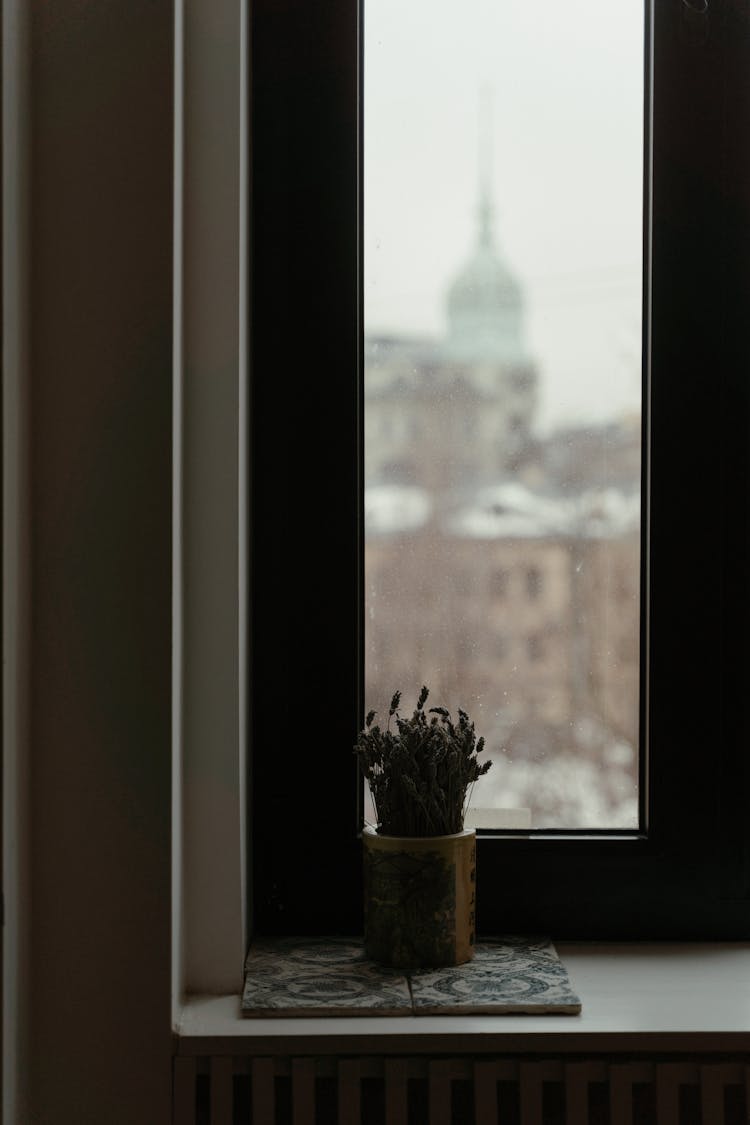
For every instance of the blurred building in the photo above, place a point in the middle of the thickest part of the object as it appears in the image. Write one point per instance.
(470, 397)
(521, 602)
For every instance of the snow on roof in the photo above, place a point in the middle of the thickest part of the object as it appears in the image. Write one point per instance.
(390, 508)
(507, 510)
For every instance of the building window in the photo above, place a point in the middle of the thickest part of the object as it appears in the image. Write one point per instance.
(490, 361)
(499, 583)
(533, 583)
(683, 872)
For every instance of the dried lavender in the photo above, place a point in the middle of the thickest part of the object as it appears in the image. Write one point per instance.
(420, 774)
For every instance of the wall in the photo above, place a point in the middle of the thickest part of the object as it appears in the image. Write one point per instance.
(100, 300)
(211, 563)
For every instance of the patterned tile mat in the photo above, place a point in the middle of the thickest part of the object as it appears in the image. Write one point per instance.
(507, 976)
(320, 977)
(328, 976)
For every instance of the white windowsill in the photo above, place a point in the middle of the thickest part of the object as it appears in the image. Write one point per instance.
(659, 997)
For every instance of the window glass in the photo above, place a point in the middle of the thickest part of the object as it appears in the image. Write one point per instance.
(503, 159)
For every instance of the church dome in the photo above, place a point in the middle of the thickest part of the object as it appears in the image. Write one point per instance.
(485, 304)
(484, 284)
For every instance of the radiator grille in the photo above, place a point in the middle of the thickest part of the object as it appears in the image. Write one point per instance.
(225, 1090)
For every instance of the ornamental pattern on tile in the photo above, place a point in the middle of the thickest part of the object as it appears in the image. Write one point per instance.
(329, 976)
(325, 976)
(509, 975)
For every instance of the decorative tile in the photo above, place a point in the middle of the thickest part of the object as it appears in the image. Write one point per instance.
(329, 976)
(508, 976)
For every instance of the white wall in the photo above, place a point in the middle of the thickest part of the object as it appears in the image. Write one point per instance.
(213, 563)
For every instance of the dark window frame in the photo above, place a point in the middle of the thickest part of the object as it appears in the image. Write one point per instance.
(686, 874)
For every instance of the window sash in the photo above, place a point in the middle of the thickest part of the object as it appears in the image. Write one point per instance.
(685, 875)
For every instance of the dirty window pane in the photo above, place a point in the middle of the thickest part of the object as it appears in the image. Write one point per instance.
(503, 237)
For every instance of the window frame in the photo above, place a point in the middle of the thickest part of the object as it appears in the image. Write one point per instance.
(685, 875)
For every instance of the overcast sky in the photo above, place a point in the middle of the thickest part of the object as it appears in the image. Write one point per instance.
(565, 82)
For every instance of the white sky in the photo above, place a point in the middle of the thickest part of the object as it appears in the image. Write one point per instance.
(567, 93)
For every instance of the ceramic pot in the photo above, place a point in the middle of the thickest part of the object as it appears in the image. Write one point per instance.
(419, 898)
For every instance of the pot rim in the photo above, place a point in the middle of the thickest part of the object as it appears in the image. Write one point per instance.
(370, 830)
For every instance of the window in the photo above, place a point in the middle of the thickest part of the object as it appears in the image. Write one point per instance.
(533, 583)
(685, 874)
(499, 583)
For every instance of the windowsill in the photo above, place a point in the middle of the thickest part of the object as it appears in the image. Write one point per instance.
(660, 997)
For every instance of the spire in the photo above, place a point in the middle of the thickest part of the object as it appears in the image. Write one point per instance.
(485, 164)
(485, 303)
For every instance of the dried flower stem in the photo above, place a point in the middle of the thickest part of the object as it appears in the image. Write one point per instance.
(420, 774)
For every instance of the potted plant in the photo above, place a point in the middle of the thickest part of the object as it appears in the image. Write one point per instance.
(419, 860)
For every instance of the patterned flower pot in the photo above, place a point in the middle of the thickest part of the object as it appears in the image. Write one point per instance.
(419, 899)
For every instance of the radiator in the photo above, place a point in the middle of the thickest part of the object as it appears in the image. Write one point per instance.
(228, 1090)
